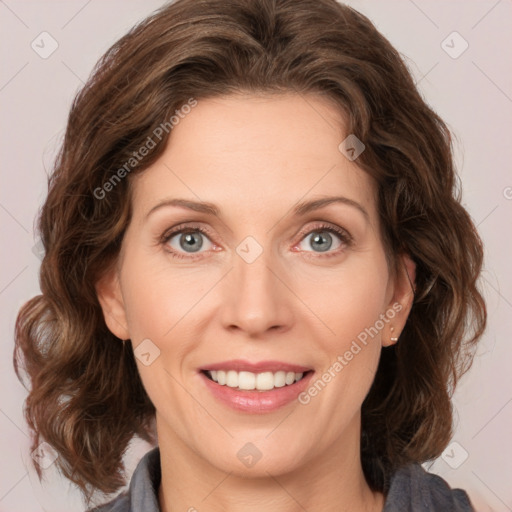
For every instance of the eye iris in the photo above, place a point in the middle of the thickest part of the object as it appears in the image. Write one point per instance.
(318, 238)
(192, 241)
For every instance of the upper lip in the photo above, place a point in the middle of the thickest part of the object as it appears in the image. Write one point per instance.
(240, 365)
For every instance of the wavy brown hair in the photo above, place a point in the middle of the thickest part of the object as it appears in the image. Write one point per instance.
(86, 398)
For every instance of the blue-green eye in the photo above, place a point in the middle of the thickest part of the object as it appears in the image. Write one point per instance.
(191, 239)
(321, 239)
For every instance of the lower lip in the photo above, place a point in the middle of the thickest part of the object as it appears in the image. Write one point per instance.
(257, 402)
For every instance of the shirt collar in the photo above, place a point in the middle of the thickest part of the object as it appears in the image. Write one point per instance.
(412, 489)
(145, 483)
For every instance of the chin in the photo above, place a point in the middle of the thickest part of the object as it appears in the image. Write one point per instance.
(257, 459)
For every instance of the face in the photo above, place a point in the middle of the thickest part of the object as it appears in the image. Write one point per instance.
(266, 293)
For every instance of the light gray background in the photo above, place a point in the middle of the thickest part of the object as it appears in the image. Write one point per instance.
(472, 92)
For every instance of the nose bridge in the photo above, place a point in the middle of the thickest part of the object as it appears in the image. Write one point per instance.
(256, 299)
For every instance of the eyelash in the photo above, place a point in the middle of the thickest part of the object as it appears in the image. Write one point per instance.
(344, 236)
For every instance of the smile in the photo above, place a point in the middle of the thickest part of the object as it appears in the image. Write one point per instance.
(247, 381)
(255, 388)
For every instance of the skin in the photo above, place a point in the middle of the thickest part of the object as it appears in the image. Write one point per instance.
(255, 157)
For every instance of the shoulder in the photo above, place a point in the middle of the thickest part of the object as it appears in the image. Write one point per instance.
(414, 489)
(142, 495)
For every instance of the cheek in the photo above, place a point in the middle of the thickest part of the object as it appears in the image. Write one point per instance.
(349, 302)
(350, 344)
(159, 299)
(350, 299)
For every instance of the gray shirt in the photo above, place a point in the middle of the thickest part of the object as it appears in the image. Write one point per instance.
(412, 489)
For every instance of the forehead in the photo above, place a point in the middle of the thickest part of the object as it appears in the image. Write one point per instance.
(255, 154)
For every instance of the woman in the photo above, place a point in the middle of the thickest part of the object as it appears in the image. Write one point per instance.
(257, 261)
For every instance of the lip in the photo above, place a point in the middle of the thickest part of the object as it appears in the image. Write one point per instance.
(256, 402)
(241, 365)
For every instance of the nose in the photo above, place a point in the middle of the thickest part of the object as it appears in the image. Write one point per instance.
(256, 297)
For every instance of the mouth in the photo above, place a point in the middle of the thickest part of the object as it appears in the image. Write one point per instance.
(255, 387)
(252, 381)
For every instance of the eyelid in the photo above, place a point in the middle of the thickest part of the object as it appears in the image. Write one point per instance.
(192, 226)
(184, 227)
(327, 226)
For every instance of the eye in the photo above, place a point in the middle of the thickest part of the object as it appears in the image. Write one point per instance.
(320, 238)
(188, 240)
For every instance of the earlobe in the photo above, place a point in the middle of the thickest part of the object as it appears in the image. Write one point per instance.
(109, 294)
(402, 300)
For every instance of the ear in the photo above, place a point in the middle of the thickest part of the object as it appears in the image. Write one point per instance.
(401, 302)
(109, 294)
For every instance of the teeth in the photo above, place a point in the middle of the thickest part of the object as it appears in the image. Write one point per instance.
(247, 380)
(260, 381)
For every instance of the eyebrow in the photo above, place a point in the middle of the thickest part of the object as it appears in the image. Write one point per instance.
(299, 210)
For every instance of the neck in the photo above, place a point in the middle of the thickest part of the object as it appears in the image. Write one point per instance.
(328, 482)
